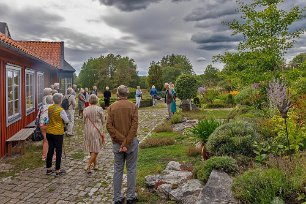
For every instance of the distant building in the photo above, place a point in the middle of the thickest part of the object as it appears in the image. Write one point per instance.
(26, 68)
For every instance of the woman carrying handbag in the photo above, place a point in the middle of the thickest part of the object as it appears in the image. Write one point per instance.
(93, 131)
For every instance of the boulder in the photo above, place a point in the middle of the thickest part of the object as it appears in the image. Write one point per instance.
(217, 190)
(168, 177)
(180, 127)
(173, 165)
(189, 188)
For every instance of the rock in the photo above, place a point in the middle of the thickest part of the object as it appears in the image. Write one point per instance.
(173, 165)
(217, 190)
(191, 187)
(180, 127)
(163, 190)
(169, 177)
(151, 180)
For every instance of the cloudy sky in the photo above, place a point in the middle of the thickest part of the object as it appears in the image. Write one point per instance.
(144, 30)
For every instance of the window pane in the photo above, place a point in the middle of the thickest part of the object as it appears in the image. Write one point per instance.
(16, 77)
(16, 92)
(10, 108)
(10, 93)
(10, 78)
(16, 108)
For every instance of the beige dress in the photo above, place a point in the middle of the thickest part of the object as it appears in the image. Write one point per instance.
(92, 138)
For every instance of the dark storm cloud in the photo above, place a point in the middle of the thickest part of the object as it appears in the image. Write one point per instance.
(43, 25)
(213, 38)
(131, 5)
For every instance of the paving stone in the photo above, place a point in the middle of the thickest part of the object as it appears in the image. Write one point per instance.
(33, 186)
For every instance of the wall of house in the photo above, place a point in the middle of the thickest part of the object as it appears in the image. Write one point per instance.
(11, 58)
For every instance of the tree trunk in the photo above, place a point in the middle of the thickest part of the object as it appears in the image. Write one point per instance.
(190, 104)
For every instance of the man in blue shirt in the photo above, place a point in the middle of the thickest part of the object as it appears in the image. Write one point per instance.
(153, 93)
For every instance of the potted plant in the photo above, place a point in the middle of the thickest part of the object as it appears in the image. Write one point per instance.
(203, 130)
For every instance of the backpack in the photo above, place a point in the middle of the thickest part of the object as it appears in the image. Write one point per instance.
(65, 103)
(37, 135)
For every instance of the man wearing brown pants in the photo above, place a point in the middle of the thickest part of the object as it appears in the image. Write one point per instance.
(122, 125)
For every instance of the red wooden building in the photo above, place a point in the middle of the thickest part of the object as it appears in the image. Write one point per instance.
(26, 68)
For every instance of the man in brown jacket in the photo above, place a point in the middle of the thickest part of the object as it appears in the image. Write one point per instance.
(122, 125)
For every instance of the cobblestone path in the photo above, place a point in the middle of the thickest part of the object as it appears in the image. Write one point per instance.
(33, 186)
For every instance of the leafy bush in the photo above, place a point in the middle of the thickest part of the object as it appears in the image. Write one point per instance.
(164, 127)
(260, 186)
(232, 138)
(205, 128)
(246, 96)
(226, 164)
(186, 86)
(216, 105)
(176, 118)
(193, 151)
(156, 142)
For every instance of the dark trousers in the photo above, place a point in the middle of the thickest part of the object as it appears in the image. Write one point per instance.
(106, 102)
(55, 142)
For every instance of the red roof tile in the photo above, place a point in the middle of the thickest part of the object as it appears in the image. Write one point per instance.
(13, 43)
(49, 52)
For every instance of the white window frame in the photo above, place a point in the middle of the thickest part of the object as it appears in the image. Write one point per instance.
(40, 87)
(32, 74)
(17, 116)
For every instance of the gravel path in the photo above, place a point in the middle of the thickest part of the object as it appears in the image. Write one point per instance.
(33, 186)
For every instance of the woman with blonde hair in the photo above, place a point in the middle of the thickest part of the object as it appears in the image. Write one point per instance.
(93, 131)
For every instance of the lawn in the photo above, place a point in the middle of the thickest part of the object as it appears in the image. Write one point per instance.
(208, 113)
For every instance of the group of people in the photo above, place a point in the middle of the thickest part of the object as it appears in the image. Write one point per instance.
(121, 123)
(170, 98)
(83, 98)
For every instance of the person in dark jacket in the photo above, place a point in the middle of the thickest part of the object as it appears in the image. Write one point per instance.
(107, 95)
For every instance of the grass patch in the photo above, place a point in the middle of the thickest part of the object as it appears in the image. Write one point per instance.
(193, 151)
(164, 135)
(163, 127)
(207, 113)
(156, 142)
(30, 160)
(154, 160)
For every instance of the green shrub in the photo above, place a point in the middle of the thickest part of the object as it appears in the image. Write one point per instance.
(176, 118)
(246, 96)
(260, 186)
(226, 164)
(232, 138)
(216, 105)
(156, 142)
(205, 128)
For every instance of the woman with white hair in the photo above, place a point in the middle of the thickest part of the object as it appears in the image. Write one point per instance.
(93, 131)
(47, 92)
(138, 96)
(43, 122)
(55, 133)
(81, 102)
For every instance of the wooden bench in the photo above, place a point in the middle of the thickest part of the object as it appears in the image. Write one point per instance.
(16, 144)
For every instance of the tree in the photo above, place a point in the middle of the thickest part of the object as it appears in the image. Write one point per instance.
(180, 62)
(155, 76)
(170, 74)
(111, 70)
(186, 87)
(211, 76)
(298, 60)
(264, 27)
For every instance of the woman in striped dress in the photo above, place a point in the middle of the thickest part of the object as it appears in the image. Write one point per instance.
(93, 131)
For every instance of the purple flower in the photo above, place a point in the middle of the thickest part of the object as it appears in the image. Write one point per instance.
(278, 97)
(201, 90)
(256, 86)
